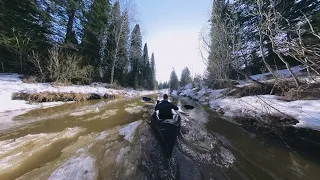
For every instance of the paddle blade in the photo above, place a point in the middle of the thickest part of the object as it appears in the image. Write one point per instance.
(146, 99)
(188, 107)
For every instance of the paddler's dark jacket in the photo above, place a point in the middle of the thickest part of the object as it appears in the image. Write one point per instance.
(164, 108)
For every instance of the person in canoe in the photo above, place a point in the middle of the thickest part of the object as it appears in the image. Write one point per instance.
(165, 108)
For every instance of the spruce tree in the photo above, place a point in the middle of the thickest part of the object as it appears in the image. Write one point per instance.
(174, 82)
(23, 29)
(152, 72)
(93, 43)
(145, 68)
(135, 56)
(185, 77)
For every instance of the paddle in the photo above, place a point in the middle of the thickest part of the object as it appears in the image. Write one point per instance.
(189, 107)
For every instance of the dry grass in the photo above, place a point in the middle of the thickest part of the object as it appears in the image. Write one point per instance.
(304, 92)
(30, 79)
(285, 89)
(272, 88)
(56, 96)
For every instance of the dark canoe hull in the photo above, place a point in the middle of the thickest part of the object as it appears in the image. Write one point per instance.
(166, 132)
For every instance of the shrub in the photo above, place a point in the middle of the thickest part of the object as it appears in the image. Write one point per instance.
(65, 67)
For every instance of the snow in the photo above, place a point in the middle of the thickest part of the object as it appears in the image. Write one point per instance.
(80, 168)
(11, 83)
(81, 113)
(122, 152)
(283, 72)
(174, 93)
(129, 130)
(134, 110)
(103, 135)
(307, 112)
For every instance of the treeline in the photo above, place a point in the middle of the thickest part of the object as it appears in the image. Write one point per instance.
(174, 82)
(78, 41)
(256, 36)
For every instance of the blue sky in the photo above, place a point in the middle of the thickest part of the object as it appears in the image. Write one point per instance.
(171, 28)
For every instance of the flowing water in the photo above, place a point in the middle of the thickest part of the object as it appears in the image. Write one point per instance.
(112, 140)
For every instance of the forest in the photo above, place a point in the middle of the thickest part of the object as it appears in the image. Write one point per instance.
(248, 37)
(74, 41)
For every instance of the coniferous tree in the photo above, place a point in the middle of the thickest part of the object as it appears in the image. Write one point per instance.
(185, 77)
(93, 43)
(23, 29)
(174, 82)
(135, 56)
(145, 68)
(152, 73)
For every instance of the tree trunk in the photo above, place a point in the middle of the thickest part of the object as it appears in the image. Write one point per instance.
(71, 17)
(112, 68)
(264, 57)
(297, 82)
(21, 66)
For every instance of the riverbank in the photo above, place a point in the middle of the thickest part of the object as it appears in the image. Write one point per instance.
(18, 97)
(243, 103)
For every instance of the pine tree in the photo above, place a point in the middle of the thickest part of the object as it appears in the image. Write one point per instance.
(93, 42)
(185, 77)
(174, 82)
(152, 72)
(135, 56)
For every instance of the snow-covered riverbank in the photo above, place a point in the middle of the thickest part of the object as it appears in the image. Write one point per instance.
(307, 112)
(11, 83)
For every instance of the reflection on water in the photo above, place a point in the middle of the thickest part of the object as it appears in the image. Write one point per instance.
(112, 140)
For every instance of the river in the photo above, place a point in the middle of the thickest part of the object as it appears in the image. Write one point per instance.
(111, 139)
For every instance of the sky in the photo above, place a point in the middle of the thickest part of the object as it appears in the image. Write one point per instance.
(171, 29)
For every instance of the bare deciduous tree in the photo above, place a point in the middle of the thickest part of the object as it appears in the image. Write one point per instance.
(270, 27)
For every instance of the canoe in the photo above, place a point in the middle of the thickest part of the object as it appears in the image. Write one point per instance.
(166, 131)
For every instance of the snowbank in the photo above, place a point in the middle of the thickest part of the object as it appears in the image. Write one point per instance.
(283, 72)
(307, 112)
(11, 83)
(122, 153)
(82, 168)
(129, 130)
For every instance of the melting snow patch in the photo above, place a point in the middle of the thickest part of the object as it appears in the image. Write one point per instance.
(129, 130)
(133, 110)
(122, 152)
(305, 111)
(102, 135)
(174, 93)
(80, 168)
(11, 83)
(81, 113)
(13, 153)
